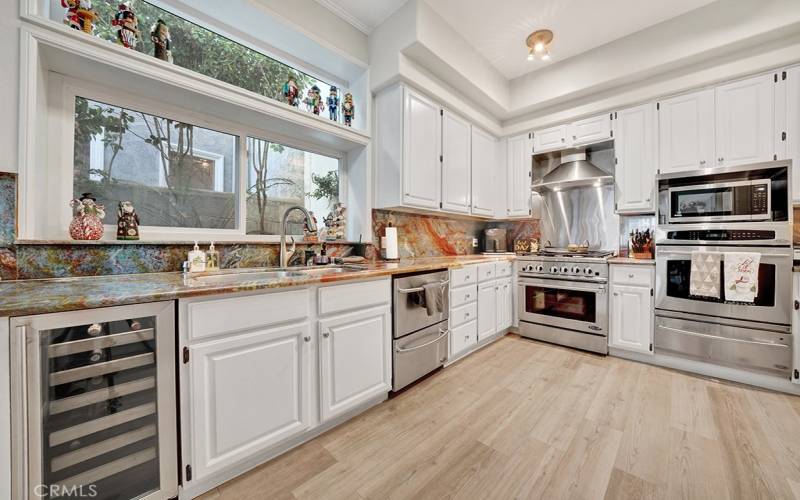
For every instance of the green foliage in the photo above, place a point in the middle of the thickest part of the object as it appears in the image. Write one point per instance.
(327, 186)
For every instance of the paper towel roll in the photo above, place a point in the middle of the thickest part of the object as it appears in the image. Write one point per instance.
(391, 243)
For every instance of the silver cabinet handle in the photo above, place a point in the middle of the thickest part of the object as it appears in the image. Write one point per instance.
(466, 296)
(702, 162)
(307, 339)
(466, 315)
(326, 334)
(630, 276)
(574, 137)
(720, 159)
(562, 139)
(426, 344)
(420, 289)
(616, 294)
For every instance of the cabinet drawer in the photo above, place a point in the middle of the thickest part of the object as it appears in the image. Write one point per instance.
(338, 298)
(463, 295)
(504, 269)
(467, 275)
(486, 272)
(463, 314)
(208, 318)
(463, 337)
(632, 275)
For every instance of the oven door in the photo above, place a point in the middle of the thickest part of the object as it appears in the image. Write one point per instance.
(564, 304)
(720, 202)
(771, 305)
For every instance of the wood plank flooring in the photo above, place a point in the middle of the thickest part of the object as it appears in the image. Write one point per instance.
(522, 419)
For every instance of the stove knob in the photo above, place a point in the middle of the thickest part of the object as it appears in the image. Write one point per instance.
(576, 270)
(554, 270)
(529, 268)
(540, 268)
(588, 271)
(564, 270)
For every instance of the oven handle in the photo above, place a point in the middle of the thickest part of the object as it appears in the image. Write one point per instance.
(763, 255)
(444, 333)
(419, 288)
(708, 335)
(600, 289)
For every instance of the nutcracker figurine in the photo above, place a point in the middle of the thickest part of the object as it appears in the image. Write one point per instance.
(162, 42)
(291, 92)
(127, 27)
(348, 109)
(333, 104)
(79, 15)
(127, 222)
(87, 222)
(313, 100)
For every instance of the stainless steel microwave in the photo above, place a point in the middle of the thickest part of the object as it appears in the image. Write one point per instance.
(748, 200)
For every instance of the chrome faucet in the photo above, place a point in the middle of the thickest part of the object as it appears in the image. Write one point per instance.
(312, 226)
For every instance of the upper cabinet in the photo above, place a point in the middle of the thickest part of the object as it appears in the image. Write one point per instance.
(456, 154)
(686, 132)
(745, 117)
(484, 158)
(590, 130)
(519, 176)
(790, 135)
(635, 158)
(550, 139)
(421, 151)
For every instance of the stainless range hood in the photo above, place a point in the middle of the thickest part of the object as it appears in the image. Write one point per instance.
(574, 171)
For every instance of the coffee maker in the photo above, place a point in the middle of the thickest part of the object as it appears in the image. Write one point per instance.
(494, 241)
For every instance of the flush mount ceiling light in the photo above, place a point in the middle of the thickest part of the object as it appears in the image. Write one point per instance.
(538, 44)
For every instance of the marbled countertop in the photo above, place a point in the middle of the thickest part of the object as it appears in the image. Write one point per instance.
(23, 297)
(629, 260)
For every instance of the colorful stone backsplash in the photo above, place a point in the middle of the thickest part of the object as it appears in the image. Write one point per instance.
(35, 261)
(433, 235)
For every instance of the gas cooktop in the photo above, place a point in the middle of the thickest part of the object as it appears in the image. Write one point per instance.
(568, 254)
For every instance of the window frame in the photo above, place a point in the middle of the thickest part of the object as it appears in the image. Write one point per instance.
(62, 160)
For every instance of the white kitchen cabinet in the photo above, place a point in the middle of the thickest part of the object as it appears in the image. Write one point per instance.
(686, 132)
(503, 305)
(484, 197)
(631, 307)
(551, 139)
(456, 161)
(245, 394)
(487, 310)
(792, 139)
(590, 130)
(421, 150)
(744, 121)
(635, 156)
(462, 338)
(355, 360)
(519, 160)
(796, 330)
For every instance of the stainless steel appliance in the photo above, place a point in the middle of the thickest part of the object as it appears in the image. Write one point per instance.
(494, 240)
(95, 404)
(420, 328)
(563, 298)
(739, 209)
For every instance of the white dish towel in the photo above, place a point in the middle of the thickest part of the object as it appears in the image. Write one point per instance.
(741, 276)
(704, 275)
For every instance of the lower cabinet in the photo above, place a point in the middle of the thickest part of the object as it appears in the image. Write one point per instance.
(796, 330)
(487, 310)
(247, 393)
(631, 308)
(504, 301)
(462, 338)
(355, 360)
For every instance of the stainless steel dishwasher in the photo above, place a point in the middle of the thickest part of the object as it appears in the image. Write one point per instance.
(420, 327)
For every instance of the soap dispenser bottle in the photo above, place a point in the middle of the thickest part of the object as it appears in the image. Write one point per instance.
(197, 260)
(212, 258)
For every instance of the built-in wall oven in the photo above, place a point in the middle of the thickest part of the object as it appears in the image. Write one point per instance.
(706, 219)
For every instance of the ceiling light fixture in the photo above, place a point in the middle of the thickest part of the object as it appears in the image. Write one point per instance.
(538, 44)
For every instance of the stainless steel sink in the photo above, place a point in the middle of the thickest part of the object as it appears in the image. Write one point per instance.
(247, 275)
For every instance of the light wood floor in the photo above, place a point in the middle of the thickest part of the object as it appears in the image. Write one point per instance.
(521, 419)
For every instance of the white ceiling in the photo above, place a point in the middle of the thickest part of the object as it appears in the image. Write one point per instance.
(363, 14)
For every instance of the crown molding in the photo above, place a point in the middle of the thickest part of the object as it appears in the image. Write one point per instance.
(346, 16)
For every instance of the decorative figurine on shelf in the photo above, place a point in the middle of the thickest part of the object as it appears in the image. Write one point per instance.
(290, 92)
(313, 100)
(333, 104)
(127, 222)
(80, 15)
(71, 14)
(127, 27)
(308, 234)
(87, 222)
(348, 109)
(339, 222)
(162, 42)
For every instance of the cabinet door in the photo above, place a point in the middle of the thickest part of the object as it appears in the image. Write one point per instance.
(793, 128)
(487, 310)
(456, 154)
(483, 178)
(686, 132)
(519, 168)
(631, 322)
(268, 370)
(744, 121)
(422, 132)
(503, 305)
(551, 139)
(590, 130)
(635, 149)
(355, 360)
(462, 338)
(796, 331)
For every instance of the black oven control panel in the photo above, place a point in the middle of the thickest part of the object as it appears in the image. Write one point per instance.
(758, 200)
(721, 235)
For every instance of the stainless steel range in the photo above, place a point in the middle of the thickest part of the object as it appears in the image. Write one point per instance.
(563, 298)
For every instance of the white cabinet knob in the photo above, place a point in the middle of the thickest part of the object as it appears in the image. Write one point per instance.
(702, 162)
(307, 339)
(326, 334)
(630, 276)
